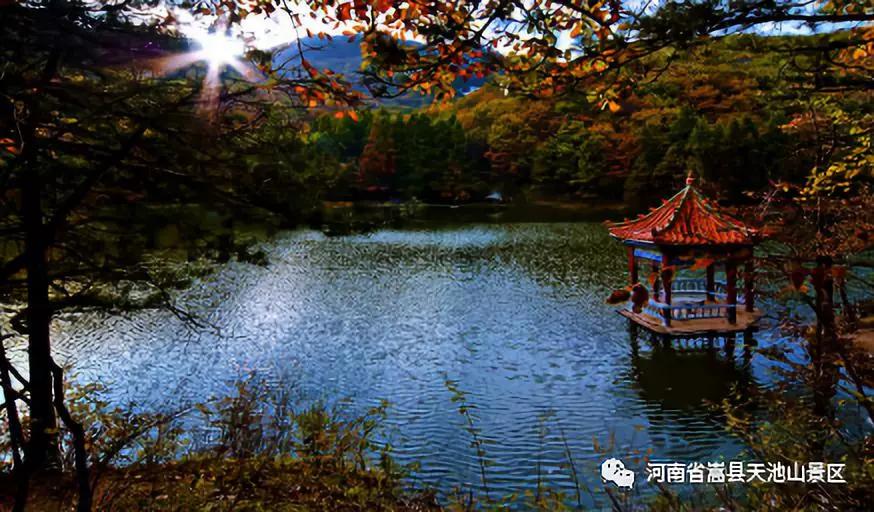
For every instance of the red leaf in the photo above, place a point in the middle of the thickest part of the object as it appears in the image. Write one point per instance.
(618, 296)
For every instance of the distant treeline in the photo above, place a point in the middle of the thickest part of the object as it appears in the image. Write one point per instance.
(722, 112)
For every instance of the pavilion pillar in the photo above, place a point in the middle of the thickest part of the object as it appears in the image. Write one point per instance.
(656, 285)
(710, 282)
(667, 281)
(731, 290)
(632, 265)
(749, 295)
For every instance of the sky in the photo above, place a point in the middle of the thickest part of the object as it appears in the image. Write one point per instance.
(267, 32)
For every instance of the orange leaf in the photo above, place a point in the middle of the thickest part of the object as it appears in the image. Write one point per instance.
(701, 263)
(308, 67)
(578, 29)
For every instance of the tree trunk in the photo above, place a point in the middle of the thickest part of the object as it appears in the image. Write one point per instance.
(16, 435)
(42, 450)
(827, 371)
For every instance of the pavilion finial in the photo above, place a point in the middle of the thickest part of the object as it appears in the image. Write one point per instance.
(690, 178)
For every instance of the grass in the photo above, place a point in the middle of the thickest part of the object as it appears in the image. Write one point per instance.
(263, 454)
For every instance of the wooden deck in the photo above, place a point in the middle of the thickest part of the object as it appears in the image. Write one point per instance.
(746, 321)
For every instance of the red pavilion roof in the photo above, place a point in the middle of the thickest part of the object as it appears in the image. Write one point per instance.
(688, 218)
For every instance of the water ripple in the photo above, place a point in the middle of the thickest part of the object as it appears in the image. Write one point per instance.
(514, 314)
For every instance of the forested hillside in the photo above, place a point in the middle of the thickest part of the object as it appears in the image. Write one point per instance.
(729, 110)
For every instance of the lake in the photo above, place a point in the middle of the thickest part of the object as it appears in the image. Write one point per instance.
(514, 314)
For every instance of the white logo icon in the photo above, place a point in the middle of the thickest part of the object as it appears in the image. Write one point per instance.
(613, 470)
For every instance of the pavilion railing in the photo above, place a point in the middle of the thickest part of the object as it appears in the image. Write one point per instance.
(691, 284)
(687, 311)
(689, 302)
(695, 287)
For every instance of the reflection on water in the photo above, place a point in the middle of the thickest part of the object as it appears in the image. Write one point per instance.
(684, 379)
(685, 384)
(514, 313)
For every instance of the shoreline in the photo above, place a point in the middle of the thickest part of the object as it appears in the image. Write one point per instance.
(366, 215)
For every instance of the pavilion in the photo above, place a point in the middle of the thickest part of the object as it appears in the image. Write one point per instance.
(684, 236)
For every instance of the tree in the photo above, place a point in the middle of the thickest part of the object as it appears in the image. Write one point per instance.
(613, 44)
(69, 121)
(662, 161)
(573, 156)
(376, 165)
(87, 118)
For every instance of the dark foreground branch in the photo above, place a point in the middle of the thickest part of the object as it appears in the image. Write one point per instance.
(16, 434)
(81, 455)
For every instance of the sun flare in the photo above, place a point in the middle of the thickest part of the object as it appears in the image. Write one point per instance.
(219, 50)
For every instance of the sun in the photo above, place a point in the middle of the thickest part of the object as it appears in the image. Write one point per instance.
(218, 50)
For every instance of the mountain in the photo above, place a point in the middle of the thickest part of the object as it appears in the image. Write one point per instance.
(343, 55)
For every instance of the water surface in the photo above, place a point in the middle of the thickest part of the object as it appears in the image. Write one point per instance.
(514, 314)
